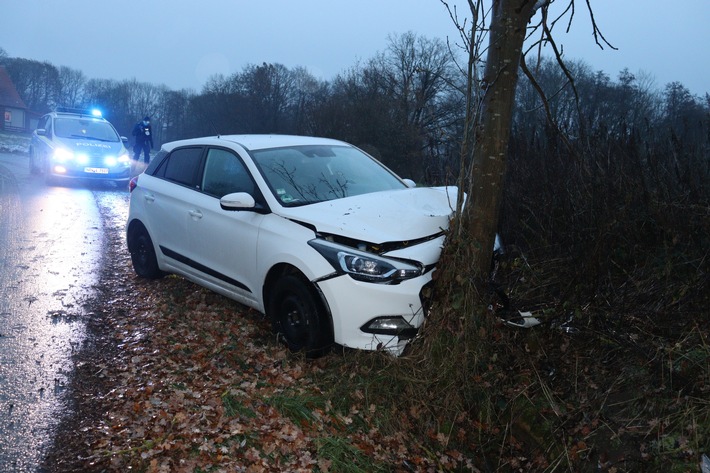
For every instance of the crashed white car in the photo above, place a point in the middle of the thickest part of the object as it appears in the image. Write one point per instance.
(322, 238)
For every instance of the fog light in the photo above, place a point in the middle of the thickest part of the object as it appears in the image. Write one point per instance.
(60, 169)
(390, 326)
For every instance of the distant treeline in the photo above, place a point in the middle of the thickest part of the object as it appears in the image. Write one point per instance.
(611, 173)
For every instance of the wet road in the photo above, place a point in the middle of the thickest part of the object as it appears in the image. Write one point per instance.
(51, 240)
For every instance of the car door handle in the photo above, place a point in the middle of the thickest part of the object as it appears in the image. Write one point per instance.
(195, 214)
(149, 197)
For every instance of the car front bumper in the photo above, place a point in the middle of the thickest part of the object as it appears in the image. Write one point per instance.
(88, 172)
(354, 304)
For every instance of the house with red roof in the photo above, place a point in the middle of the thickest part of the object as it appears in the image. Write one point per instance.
(15, 112)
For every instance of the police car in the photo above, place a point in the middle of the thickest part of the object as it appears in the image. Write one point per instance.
(72, 143)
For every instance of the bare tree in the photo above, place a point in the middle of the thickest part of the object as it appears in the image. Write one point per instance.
(35, 81)
(306, 94)
(266, 89)
(490, 97)
(71, 87)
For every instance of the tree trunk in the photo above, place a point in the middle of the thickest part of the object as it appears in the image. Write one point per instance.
(508, 27)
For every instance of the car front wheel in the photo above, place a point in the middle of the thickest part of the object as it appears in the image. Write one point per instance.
(34, 167)
(145, 263)
(299, 318)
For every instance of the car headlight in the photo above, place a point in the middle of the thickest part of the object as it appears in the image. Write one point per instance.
(62, 154)
(366, 266)
(122, 160)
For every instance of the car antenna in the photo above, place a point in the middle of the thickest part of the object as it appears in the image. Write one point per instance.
(214, 128)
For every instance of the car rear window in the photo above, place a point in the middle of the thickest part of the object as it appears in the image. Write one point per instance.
(182, 166)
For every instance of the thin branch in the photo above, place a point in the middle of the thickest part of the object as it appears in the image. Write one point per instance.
(596, 31)
(545, 104)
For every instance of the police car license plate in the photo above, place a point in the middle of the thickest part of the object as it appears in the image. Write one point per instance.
(96, 170)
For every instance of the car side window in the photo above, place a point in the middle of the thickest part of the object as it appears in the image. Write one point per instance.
(224, 174)
(155, 163)
(182, 166)
(42, 123)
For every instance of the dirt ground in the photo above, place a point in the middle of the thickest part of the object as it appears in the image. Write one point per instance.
(176, 378)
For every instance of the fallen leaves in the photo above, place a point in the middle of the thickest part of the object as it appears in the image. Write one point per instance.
(199, 382)
(181, 379)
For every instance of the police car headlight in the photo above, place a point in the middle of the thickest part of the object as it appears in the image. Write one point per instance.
(62, 154)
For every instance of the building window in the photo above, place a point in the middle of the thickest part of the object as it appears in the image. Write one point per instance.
(8, 116)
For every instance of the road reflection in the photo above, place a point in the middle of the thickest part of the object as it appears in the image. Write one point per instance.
(50, 256)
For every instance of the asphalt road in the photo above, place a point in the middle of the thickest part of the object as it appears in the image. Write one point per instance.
(51, 240)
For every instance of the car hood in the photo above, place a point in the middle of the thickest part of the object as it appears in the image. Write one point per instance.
(93, 147)
(380, 217)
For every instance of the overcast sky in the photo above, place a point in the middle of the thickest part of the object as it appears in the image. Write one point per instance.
(181, 44)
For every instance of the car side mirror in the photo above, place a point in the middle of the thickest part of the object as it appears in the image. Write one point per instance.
(124, 140)
(410, 183)
(41, 132)
(237, 201)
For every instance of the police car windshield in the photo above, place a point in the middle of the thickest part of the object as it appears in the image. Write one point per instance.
(85, 128)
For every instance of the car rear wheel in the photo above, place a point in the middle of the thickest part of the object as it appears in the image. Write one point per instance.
(145, 263)
(299, 318)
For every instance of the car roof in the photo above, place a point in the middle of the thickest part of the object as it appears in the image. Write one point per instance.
(256, 142)
(78, 116)
(66, 112)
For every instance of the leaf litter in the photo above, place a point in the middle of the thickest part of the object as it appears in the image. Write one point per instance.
(175, 378)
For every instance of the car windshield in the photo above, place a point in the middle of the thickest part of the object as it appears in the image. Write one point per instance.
(85, 128)
(302, 175)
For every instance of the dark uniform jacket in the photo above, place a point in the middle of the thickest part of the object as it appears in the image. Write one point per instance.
(143, 134)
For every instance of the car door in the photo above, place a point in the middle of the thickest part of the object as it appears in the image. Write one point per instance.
(168, 198)
(43, 143)
(224, 242)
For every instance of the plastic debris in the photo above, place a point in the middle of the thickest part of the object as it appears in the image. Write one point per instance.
(567, 327)
(522, 320)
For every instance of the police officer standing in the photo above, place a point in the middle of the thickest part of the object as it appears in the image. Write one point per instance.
(144, 140)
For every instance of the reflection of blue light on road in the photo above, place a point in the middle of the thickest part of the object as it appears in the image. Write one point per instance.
(48, 266)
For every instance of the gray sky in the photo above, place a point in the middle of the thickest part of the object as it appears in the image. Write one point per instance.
(181, 44)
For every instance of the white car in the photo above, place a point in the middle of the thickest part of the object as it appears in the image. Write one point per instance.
(322, 238)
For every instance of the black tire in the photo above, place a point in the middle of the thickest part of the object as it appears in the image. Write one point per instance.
(34, 168)
(145, 263)
(299, 318)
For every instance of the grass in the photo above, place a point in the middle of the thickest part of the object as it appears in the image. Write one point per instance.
(340, 456)
(234, 406)
(299, 407)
